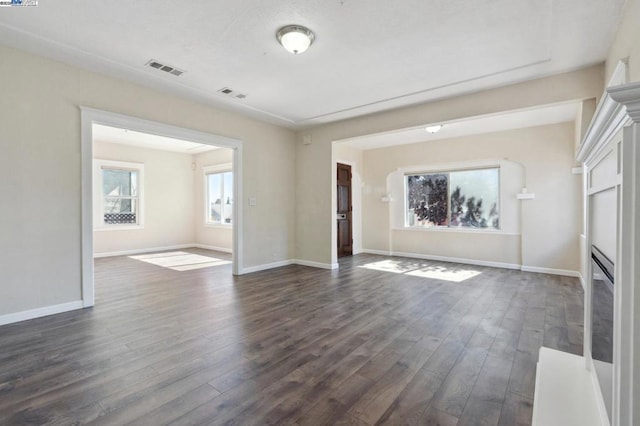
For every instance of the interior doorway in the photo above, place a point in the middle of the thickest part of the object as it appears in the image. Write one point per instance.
(154, 194)
(344, 210)
(230, 217)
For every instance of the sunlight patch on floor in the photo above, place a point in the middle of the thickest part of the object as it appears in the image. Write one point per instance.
(389, 266)
(439, 272)
(442, 273)
(180, 260)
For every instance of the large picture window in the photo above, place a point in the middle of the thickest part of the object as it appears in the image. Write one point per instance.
(219, 196)
(454, 199)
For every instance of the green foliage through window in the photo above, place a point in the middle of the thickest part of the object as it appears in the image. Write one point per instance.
(460, 199)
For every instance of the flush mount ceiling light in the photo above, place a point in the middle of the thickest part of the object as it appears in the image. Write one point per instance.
(434, 129)
(295, 38)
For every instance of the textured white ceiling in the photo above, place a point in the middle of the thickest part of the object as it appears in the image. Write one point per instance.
(369, 55)
(146, 140)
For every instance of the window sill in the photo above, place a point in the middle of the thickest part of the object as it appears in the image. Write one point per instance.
(218, 225)
(456, 230)
(119, 228)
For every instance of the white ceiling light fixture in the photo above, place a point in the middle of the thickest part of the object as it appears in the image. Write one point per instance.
(295, 38)
(434, 129)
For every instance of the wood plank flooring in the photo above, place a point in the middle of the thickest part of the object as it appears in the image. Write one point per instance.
(378, 341)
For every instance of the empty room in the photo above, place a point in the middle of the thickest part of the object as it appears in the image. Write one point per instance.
(320, 212)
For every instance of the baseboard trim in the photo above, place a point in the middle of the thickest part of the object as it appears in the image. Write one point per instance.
(316, 264)
(264, 267)
(474, 262)
(40, 312)
(551, 271)
(206, 247)
(514, 266)
(142, 251)
(378, 252)
(582, 282)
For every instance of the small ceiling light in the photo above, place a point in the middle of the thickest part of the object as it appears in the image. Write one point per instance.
(434, 129)
(295, 38)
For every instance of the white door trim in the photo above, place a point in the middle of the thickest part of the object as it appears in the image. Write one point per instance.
(89, 116)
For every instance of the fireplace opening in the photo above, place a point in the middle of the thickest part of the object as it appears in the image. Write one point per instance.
(602, 306)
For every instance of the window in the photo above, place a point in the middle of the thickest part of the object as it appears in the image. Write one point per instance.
(118, 194)
(219, 195)
(454, 199)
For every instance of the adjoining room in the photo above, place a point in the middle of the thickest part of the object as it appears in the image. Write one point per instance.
(153, 193)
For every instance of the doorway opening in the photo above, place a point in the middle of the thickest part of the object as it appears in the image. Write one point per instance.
(148, 187)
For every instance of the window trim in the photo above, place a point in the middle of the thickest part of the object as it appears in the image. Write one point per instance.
(443, 170)
(98, 213)
(210, 170)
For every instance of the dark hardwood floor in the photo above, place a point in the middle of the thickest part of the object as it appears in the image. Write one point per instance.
(379, 341)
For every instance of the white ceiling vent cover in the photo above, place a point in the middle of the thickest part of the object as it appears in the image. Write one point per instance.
(166, 68)
(232, 93)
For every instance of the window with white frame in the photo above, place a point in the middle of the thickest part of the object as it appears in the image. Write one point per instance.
(119, 190)
(218, 194)
(453, 199)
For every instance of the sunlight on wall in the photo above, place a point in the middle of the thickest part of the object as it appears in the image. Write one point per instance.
(180, 260)
(420, 269)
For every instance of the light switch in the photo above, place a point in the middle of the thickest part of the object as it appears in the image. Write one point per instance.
(252, 201)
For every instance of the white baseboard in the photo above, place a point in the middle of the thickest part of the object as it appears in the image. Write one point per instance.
(141, 251)
(39, 312)
(288, 262)
(206, 247)
(316, 264)
(379, 252)
(551, 271)
(266, 266)
(457, 260)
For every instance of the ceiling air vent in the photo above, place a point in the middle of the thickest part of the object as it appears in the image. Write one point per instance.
(232, 93)
(166, 68)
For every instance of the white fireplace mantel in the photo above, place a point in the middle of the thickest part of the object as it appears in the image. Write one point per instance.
(613, 138)
(615, 130)
(619, 107)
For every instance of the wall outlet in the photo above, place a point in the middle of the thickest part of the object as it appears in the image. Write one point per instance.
(253, 201)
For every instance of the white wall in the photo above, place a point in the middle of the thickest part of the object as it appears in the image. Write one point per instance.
(214, 236)
(540, 233)
(40, 247)
(168, 200)
(627, 42)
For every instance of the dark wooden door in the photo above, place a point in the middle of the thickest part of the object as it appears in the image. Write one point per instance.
(344, 211)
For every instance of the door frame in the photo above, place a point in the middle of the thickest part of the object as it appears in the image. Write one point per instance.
(90, 116)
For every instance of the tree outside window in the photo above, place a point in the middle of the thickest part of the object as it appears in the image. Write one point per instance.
(454, 199)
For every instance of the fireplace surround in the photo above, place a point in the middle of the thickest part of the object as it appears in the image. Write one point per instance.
(610, 154)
